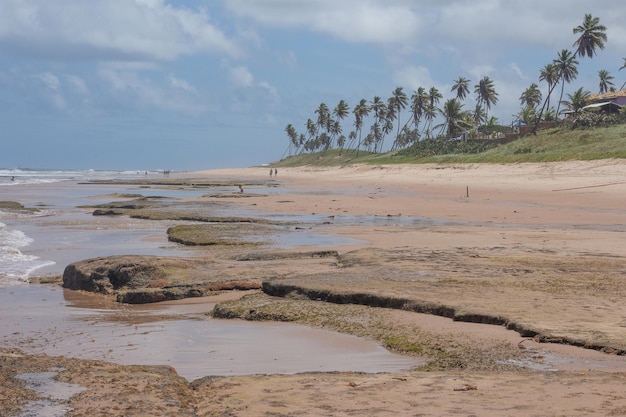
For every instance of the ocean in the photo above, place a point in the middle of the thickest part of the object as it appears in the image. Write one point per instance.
(35, 240)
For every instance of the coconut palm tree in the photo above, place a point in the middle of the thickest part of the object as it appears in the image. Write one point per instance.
(606, 81)
(419, 98)
(486, 93)
(398, 101)
(592, 36)
(456, 120)
(567, 67)
(431, 110)
(311, 129)
(360, 111)
(531, 97)
(549, 74)
(479, 116)
(461, 86)
(323, 116)
(577, 101)
(293, 139)
(341, 111)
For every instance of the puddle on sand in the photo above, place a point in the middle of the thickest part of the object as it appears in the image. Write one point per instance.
(54, 394)
(39, 319)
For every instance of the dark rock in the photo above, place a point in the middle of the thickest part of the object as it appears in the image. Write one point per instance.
(106, 275)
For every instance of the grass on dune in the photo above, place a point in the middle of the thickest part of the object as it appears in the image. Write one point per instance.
(559, 144)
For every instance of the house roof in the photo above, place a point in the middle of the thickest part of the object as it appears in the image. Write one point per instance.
(611, 95)
(601, 104)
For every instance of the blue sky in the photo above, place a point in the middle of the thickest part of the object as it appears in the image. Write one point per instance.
(189, 85)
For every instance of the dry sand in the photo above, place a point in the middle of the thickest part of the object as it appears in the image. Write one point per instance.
(570, 210)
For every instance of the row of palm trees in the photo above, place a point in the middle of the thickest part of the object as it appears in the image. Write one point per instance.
(325, 130)
(385, 118)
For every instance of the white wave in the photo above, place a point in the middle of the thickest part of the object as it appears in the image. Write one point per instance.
(16, 266)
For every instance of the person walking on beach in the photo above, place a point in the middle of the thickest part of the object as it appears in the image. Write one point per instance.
(270, 172)
(275, 172)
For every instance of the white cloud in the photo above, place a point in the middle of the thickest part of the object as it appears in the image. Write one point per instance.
(181, 84)
(112, 29)
(377, 22)
(413, 76)
(78, 84)
(139, 90)
(241, 76)
(49, 80)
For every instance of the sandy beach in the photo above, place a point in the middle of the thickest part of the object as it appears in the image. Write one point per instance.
(491, 262)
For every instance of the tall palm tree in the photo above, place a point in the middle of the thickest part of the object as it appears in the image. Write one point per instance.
(431, 110)
(567, 67)
(323, 114)
(456, 120)
(293, 138)
(486, 93)
(577, 101)
(341, 111)
(398, 102)
(479, 116)
(592, 36)
(311, 129)
(461, 86)
(549, 74)
(360, 111)
(531, 97)
(419, 98)
(379, 109)
(606, 81)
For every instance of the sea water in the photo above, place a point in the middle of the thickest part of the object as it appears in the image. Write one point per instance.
(46, 194)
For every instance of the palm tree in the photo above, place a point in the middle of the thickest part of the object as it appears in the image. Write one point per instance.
(528, 115)
(479, 116)
(549, 74)
(531, 97)
(461, 86)
(311, 129)
(342, 110)
(486, 93)
(577, 101)
(360, 111)
(431, 110)
(323, 116)
(606, 81)
(418, 105)
(566, 64)
(456, 120)
(293, 138)
(592, 36)
(398, 102)
(379, 109)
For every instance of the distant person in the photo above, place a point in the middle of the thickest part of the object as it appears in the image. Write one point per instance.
(241, 189)
(271, 171)
(12, 178)
(275, 172)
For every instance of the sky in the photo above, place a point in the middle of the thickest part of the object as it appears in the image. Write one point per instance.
(192, 85)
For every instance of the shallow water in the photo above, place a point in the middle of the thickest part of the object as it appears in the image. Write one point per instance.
(51, 320)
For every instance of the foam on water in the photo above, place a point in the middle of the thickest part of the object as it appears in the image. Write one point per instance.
(15, 266)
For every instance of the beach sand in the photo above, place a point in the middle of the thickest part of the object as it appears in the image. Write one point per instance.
(510, 230)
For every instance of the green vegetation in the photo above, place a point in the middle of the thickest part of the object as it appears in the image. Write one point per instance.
(558, 144)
